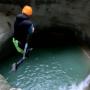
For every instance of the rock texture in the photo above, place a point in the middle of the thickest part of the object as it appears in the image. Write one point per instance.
(5, 28)
(61, 12)
(64, 15)
(74, 13)
(4, 84)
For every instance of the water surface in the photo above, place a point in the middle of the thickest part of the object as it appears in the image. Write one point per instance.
(48, 69)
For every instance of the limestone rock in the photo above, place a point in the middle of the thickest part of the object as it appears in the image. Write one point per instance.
(5, 28)
(4, 84)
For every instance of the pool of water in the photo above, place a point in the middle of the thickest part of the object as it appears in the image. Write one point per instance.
(48, 69)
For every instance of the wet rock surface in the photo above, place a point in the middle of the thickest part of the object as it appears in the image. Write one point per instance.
(58, 12)
(5, 28)
(6, 31)
(4, 84)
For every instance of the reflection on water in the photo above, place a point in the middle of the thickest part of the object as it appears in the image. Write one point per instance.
(49, 69)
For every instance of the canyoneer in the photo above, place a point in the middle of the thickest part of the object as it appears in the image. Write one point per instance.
(23, 29)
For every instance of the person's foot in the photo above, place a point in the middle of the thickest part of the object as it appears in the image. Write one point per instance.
(28, 52)
(14, 67)
(30, 49)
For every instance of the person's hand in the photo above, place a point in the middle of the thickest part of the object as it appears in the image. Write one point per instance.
(33, 29)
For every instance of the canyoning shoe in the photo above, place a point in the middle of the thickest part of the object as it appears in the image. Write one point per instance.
(28, 52)
(14, 67)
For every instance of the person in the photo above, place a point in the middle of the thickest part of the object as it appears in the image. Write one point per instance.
(23, 29)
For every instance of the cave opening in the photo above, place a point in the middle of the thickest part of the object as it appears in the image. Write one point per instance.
(56, 36)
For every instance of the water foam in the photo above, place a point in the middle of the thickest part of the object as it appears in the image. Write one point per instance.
(84, 85)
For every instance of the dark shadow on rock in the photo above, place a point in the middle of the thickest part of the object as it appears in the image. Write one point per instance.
(55, 37)
(7, 50)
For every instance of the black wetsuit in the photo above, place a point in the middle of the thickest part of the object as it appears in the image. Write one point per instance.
(22, 29)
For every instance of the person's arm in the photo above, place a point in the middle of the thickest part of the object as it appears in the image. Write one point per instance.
(31, 29)
(30, 32)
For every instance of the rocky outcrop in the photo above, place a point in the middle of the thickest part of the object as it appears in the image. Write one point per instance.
(61, 12)
(5, 28)
(4, 84)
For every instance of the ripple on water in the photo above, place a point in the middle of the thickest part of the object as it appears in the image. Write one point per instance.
(50, 71)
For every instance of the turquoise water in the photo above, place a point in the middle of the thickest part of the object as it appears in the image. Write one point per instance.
(48, 69)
